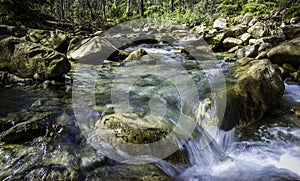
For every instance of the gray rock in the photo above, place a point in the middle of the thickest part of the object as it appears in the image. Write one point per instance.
(291, 31)
(201, 30)
(239, 29)
(252, 22)
(258, 30)
(248, 51)
(288, 52)
(295, 20)
(255, 41)
(135, 55)
(92, 50)
(245, 38)
(274, 39)
(246, 19)
(230, 42)
(263, 47)
(216, 40)
(220, 23)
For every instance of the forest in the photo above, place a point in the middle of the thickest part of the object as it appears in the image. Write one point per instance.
(106, 13)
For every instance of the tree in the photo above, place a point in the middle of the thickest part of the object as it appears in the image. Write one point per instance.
(91, 10)
(142, 8)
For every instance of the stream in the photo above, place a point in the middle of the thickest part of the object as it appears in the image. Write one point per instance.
(266, 150)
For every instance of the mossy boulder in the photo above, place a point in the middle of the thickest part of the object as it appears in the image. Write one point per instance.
(288, 52)
(51, 39)
(257, 89)
(135, 128)
(216, 40)
(26, 59)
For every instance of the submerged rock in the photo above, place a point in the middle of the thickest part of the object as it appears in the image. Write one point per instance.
(37, 162)
(26, 131)
(129, 172)
(26, 59)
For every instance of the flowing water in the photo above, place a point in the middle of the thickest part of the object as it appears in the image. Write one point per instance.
(266, 150)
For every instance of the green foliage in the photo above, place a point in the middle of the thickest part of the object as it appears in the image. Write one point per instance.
(111, 12)
(255, 8)
(291, 12)
(231, 6)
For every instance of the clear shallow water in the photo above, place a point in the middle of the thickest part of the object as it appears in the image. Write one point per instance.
(267, 150)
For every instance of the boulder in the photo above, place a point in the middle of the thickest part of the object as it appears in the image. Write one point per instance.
(216, 40)
(220, 23)
(252, 22)
(25, 59)
(230, 42)
(94, 49)
(239, 30)
(255, 41)
(245, 38)
(246, 19)
(25, 131)
(134, 128)
(274, 39)
(291, 31)
(51, 39)
(135, 55)
(264, 46)
(248, 51)
(257, 89)
(258, 30)
(287, 52)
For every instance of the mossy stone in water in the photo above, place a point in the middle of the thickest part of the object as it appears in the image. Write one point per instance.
(135, 128)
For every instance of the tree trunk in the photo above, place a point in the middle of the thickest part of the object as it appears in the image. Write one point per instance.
(103, 9)
(128, 7)
(172, 5)
(91, 10)
(142, 8)
(62, 9)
